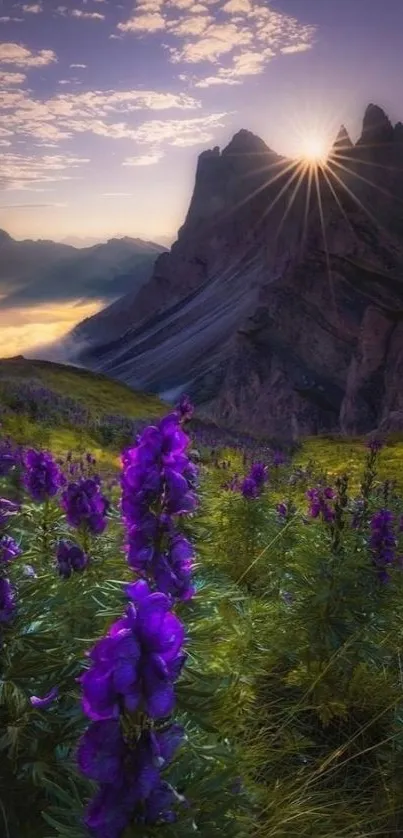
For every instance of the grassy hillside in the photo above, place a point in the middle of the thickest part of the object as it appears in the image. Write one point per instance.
(102, 396)
(282, 683)
(99, 393)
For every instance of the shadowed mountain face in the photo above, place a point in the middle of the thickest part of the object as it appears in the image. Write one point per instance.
(33, 272)
(279, 308)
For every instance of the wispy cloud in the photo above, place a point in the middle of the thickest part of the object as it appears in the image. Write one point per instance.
(33, 8)
(21, 172)
(58, 204)
(78, 13)
(144, 159)
(87, 15)
(64, 115)
(302, 47)
(20, 56)
(8, 19)
(239, 37)
(179, 132)
(81, 66)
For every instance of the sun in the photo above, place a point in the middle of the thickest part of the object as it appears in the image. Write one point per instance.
(314, 150)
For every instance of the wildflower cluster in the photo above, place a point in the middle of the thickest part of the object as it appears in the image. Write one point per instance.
(129, 689)
(319, 505)
(70, 558)
(42, 477)
(158, 482)
(85, 505)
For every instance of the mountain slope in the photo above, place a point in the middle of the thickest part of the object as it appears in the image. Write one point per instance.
(271, 325)
(38, 271)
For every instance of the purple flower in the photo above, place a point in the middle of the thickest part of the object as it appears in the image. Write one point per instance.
(259, 474)
(129, 773)
(46, 700)
(7, 508)
(42, 477)
(173, 569)
(70, 557)
(7, 600)
(318, 505)
(282, 509)
(185, 407)
(138, 660)
(101, 752)
(157, 484)
(9, 549)
(249, 488)
(374, 445)
(383, 543)
(84, 504)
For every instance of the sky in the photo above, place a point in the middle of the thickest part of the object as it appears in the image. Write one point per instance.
(105, 107)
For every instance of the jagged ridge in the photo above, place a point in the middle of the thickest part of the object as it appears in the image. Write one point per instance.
(243, 312)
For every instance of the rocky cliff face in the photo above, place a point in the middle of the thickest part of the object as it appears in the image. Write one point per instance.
(280, 309)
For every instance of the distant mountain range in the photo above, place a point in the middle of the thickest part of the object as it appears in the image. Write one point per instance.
(279, 310)
(89, 241)
(33, 272)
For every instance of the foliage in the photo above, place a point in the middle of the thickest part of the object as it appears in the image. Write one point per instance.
(291, 693)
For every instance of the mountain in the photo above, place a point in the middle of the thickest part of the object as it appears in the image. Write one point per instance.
(32, 272)
(280, 310)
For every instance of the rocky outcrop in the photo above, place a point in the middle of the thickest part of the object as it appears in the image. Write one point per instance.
(279, 307)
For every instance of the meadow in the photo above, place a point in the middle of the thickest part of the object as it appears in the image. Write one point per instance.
(200, 634)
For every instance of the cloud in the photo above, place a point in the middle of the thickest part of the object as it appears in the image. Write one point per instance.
(144, 160)
(7, 79)
(237, 6)
(217, 40)
(81, 66)
(20, 56)
(67, 113)
(8, 19)
(21, 172)
(244, 32)
(21, 329)
(32, 8)
(31, 206)
(149, 22)
(211, 81)
(87, 15)
(78, 13)
(178, 132)
(295, 48)
(190, 25)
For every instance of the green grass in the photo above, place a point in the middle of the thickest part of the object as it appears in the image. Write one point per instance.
(99, 393)
(322, 679)
(102, 395)
(335, 456)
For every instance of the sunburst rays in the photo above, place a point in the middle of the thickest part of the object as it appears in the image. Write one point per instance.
(321, 169)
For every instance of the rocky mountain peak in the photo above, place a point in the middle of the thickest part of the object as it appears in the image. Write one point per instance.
(270, 325)
(245, 142)
(342, 141)
(376, 127)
